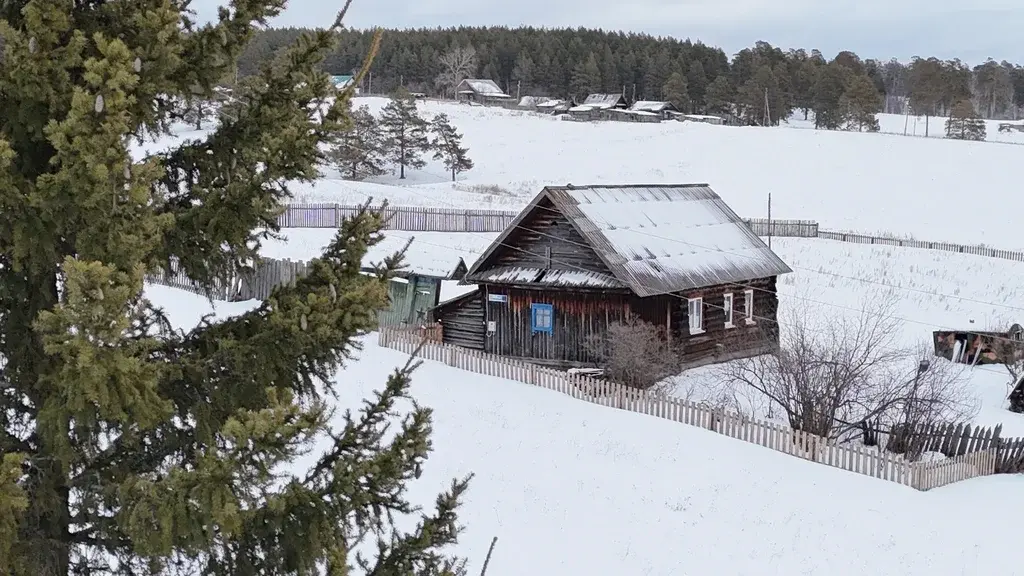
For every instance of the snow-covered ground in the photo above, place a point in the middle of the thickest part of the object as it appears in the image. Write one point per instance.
(575, 489)
(921, 127)
(928, 188)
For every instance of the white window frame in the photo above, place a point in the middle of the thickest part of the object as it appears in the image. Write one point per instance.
(748, 307)
(727, 306)
(695, 313)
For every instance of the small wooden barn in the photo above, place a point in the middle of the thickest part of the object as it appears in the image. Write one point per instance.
(665, 110)
(597, 107)
(579, 258)
(481, 91)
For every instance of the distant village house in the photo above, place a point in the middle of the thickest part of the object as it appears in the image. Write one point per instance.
(579, 258)
(343, 81)
(666, 110)
(480, 91)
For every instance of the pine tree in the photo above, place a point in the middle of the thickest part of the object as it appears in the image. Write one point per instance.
(827, 90)
(405, 132)
(125, 441)
(964, 122)
(586, 78)
(860, 104)
(675, 91)
(720, 96)
(359, 151)
(697, 84)
(448, 147)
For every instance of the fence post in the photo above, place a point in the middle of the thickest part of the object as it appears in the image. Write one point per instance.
(453, 355)
(532, 376)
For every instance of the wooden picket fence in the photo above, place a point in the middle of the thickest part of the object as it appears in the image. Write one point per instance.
(783, 228)
(408, 218)
(975, 250)
(853, 458)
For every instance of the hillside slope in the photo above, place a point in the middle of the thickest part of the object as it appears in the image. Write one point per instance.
(573, 489)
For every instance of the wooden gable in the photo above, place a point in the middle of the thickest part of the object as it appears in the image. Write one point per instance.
(544, 239)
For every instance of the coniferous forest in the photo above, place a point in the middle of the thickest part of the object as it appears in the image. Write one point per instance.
(575, 62)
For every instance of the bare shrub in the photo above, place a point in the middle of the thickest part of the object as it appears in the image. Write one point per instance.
(832, 372)
(634, 353)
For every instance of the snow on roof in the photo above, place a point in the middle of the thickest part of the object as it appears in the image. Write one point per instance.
(550, 103)
(701, 117)
(582, 108)
(604, 101)
(655, 239)
(633, 112)
(545, 277)
(483, 87)
(651, 106)
(535, 101)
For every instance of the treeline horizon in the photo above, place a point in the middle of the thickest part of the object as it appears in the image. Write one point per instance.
(762, 83)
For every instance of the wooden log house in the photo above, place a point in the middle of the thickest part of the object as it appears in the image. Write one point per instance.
(579, 258)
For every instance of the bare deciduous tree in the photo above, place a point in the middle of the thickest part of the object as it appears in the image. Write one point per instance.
(634, 353)
(831, 372)
(457, 64)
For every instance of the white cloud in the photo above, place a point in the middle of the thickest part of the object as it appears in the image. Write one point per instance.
(871, 28)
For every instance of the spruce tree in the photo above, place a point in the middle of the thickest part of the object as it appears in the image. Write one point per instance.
(405, 132)
(448, 147)
(964, 123)
(127, 447)
(358, 152)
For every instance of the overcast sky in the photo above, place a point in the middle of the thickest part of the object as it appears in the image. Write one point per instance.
(971, 31)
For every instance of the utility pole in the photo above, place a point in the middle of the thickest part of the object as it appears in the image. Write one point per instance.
(369, 89)
(519, 85)
(769, 220)
(767, 112)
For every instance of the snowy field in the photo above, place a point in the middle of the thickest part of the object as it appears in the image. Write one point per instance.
(920, 127)
(928, 188)
(575, 489)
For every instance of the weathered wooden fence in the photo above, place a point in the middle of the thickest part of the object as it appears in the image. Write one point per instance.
(976, 250)
(950, 440)
(409, 218)
(783, 228)
(857, 458)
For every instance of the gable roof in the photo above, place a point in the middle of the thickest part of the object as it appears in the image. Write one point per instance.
(604, 101)
(651, 106)
(656, 238)
(481, 87)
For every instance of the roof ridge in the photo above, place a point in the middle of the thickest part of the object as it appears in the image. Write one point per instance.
(571, 186)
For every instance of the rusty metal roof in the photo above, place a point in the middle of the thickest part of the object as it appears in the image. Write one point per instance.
(659, 238)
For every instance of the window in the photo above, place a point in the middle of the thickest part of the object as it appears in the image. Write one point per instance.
(748, 306)
(727, 307)
(696, 313)
(542, 318)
